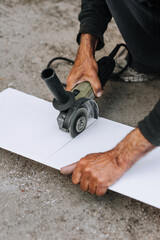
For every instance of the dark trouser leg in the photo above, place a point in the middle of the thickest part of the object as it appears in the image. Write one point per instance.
(139, 25)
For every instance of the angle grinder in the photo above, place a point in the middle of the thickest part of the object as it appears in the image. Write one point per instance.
(77, 106)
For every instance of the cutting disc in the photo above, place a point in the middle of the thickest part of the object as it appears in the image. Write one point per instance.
(78, 122)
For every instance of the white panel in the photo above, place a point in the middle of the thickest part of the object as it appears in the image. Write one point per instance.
(28, 127)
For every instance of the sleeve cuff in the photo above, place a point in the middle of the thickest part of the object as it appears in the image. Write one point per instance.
(150, 126)
(91, 28)
(100, 43)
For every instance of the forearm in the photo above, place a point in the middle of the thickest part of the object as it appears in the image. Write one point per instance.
(94, 18)
(88, 44)
(133, 147)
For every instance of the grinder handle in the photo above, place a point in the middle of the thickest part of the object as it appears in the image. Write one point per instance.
(55, 86)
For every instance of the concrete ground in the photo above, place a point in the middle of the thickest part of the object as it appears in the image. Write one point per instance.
(37, 202)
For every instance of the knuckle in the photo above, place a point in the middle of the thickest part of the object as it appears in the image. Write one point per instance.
(87, 170)
(94, 177)
(81, 162)
(100, 182)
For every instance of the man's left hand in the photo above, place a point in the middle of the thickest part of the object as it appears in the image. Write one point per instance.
(97, 171)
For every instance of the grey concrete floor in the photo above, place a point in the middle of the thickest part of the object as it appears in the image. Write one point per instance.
(37, 202)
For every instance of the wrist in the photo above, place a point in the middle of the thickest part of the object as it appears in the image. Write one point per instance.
(88, 44)
(133, 147)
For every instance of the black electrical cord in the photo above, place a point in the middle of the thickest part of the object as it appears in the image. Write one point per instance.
(111, 55)
(59, 58)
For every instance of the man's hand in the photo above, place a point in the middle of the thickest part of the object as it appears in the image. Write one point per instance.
(96, 172)
(85, 67)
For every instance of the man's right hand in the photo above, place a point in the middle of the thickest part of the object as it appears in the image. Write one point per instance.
(85, 67)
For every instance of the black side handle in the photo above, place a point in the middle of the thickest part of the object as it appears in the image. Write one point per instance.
(63, 99)
(54, 84)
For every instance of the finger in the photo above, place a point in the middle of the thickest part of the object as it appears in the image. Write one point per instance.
(73, 80)
(68, 169)
(92, 187)
(100, 191)
(84, 183)
(97, 87)
(76, 176)
(72, 84)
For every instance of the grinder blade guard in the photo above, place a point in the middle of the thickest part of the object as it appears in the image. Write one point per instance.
(74, 113)
(78, 106)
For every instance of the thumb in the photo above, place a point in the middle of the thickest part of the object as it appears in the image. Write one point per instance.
(68, 169)
(96, 85)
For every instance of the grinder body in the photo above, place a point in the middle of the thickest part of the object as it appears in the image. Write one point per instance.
(78, 106)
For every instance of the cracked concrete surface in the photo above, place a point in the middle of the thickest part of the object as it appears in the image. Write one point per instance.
(36, 202)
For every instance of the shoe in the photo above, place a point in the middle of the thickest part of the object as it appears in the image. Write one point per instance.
(130, 75)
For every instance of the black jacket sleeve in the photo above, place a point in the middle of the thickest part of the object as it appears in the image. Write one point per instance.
(94, 18)
(150, 126)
